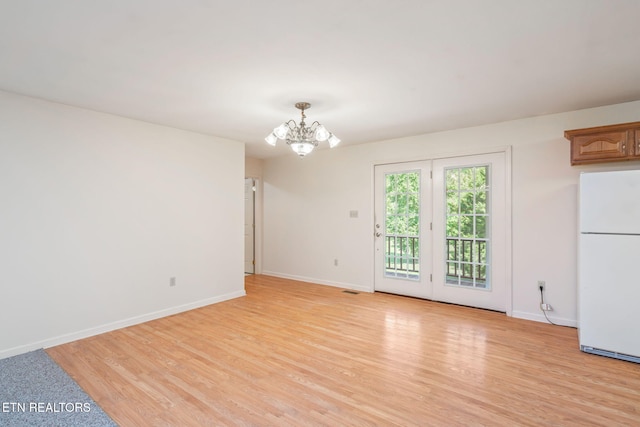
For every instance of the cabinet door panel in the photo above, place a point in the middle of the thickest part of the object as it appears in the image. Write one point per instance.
(635, 147)
(600, 146)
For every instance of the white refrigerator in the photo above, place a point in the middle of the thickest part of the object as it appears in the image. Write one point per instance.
(609, 264)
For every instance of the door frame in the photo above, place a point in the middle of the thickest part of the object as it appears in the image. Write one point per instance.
(508, 274)
(257, 232)
(253, 224)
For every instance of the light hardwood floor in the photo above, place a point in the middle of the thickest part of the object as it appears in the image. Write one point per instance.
(292, 354)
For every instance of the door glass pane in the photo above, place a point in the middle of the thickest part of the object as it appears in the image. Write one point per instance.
(402, 225)
(467, 219)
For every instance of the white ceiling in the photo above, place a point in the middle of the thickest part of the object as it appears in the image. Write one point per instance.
(373, 70)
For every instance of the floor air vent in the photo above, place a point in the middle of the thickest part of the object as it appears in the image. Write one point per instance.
(347, 291)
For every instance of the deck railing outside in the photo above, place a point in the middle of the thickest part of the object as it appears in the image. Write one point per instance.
(463, 257)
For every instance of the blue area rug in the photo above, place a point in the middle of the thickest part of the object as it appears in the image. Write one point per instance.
(35, 391)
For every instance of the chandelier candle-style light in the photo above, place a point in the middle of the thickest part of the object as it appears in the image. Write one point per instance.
(299, 137)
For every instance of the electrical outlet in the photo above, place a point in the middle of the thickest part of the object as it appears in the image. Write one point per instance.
(335, 262)
(546, 307)
(172, 281)
(541, 285)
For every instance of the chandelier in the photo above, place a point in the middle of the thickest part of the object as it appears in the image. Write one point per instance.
(299, 137)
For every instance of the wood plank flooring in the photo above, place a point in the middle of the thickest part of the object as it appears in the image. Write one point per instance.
(295, 354)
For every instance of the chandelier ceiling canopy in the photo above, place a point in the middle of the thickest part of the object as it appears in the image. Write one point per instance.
(302, 138)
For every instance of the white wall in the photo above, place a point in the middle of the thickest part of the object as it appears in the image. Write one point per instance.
(99, 212)
(253, 167)
(307, 204)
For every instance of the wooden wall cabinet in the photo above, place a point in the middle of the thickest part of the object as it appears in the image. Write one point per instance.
(605, 143)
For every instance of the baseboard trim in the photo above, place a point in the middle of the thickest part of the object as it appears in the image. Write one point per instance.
(539, 317)
(86, 333)
(318, 281)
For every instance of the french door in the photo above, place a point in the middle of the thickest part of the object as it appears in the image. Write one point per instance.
(402, 235)
(441, 230)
